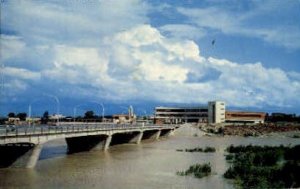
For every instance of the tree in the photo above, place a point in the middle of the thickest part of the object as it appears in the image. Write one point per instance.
(89, 115)
(22, 116)
(11, 114)
(46, 114)
(45, 117)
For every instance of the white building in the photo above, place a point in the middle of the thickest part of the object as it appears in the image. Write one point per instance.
(216, 112)
(213, 113)
(180, 114)
(56, 116)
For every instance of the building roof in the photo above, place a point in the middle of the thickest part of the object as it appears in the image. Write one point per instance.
(244, 112)
(120, 115)
(195, 107)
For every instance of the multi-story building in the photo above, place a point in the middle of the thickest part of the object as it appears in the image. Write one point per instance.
(180, 114)
(213, 113)
(216, 112)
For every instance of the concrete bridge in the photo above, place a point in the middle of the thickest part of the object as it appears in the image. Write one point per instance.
(20, 146)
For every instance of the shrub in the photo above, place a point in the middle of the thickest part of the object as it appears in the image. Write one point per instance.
(198, 170)
(262, 167)
(209, 149)
(229, 157)
(230, 173)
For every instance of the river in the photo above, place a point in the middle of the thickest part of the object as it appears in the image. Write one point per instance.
(130, 166)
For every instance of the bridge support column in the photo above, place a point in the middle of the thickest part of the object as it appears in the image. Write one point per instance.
(107, 142)
(172, 132)
(157, 134)
(137, 139)
(30, 158)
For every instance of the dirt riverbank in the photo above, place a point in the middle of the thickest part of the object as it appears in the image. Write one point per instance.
(250, 130)
(256, 130)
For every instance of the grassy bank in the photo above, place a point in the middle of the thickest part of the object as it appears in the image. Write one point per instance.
(264, 167)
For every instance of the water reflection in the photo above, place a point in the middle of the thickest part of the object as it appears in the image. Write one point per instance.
(149, 165)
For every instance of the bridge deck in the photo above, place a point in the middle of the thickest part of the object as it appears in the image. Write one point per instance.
(10, 133)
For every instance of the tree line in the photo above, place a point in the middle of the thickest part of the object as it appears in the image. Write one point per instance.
(87, 115)
(282, 117)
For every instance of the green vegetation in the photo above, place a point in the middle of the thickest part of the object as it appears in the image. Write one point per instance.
(198, 170)
(197, 149)
(89, 115)
(296, 136)
(229, 157)
(264, 167)
(21, 115)
(11, 114)
(209, 149)
(45, 118)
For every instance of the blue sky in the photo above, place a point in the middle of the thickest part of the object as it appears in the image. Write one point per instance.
(149, 53)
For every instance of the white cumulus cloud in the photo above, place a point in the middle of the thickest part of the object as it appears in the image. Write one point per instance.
(106, 50)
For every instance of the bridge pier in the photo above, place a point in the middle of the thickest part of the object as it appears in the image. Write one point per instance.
(157, 135)
(137, 139)
(107, 142)
(30, 158)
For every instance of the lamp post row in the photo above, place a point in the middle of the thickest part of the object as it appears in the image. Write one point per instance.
(58, 104)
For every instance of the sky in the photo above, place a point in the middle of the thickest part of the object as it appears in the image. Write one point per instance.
(79, 54)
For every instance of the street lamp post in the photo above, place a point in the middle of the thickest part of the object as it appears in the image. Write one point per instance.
(74, 114)
(75, 111)
(57, 105)
(126, 108)
(30, 109)
(101, 104)
(102, 111)
(57, 110)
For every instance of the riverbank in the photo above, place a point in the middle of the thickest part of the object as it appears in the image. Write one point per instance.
(257, 130)
(250, 130)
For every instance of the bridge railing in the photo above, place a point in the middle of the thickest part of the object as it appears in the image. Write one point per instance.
(12, 130)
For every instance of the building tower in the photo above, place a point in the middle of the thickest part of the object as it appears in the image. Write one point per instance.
(216, 112)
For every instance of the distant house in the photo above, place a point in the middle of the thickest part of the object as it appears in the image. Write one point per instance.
(33, 120)
(13, 120)
(123, 118)
(56, 116)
